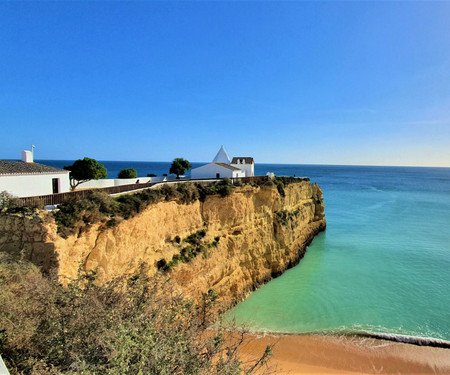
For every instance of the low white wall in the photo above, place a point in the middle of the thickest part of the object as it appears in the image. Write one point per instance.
(33, 185)
(110, 182)
(130, 181)
(158, 179)
(239, 174)
(95, 184)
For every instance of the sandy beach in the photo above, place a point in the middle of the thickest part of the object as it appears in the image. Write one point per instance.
(310, 354)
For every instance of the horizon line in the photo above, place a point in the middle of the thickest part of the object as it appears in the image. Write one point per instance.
(318, 164)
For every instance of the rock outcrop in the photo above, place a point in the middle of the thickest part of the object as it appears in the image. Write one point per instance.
(235, 244)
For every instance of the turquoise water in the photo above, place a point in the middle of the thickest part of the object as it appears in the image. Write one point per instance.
(383, 264)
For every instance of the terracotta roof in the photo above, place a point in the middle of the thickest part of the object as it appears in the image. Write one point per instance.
(8, 167)
(228, 166)
(247, 159)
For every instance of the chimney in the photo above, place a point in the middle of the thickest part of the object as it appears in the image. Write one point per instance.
(27, 156)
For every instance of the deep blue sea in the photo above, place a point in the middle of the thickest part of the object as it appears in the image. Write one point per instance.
(382, 265)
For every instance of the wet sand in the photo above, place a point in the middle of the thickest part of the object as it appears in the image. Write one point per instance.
(310, 354)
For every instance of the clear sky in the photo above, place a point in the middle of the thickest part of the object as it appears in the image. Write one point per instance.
(285, 82)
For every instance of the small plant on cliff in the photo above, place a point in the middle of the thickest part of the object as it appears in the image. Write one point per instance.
(280, 187)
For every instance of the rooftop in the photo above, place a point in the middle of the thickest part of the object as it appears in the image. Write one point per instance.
(228, 166)
(8, 167)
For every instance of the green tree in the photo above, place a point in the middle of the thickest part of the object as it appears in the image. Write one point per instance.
(179, 166)
(127, 173)
(84, 170)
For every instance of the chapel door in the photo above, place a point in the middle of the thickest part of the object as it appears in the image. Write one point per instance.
(55, 185)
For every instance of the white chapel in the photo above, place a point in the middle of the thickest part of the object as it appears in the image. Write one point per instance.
(221, 167)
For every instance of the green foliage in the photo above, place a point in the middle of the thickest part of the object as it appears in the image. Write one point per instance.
(196, 245)
(8, 201)
(168, 191)
(86, 169)
(179, 166)
(75, 214)
(127, 173)
(188, 193)
(284, 217)
(128, 326)
(223, 188)
(280, 187)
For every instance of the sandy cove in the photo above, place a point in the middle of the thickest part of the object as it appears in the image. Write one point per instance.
(315, 354)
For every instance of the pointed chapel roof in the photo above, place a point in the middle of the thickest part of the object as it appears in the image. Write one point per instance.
(222, 157)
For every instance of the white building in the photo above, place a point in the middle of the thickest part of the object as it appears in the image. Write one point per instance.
(222, 167)
(28, 179)
(244, 163)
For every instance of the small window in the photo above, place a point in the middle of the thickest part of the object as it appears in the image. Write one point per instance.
(55, 185)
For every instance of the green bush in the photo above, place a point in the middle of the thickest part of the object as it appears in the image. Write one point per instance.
(74, 214)
(127, 173)
(169, 191)
(128, 326)
(187, 193)
(8, 200)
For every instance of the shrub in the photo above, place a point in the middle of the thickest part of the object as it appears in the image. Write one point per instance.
(127, 173)
(75, 213)
(127, 326)
(280, 187)
(8, 200)
(130, 205)
(187, 192)
(168, 191)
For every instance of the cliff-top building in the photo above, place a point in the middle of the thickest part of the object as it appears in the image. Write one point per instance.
(28, 179)
(221, 167)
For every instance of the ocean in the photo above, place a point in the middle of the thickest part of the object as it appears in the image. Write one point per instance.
(382, 266)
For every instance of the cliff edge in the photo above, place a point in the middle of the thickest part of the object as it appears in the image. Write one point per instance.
(230, 244)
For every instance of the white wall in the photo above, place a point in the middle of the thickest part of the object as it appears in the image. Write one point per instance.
(94, 184)
(32, 185)
(210, 170)
(238, 174)
(248, 168)
(109, 182)
(130, 181)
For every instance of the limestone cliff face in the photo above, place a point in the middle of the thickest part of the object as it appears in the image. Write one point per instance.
(247, 238)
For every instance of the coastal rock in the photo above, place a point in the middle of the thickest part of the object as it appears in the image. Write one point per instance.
(248, 237)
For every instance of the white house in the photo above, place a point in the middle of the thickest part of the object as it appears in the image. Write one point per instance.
(222, 167)
(28, 179)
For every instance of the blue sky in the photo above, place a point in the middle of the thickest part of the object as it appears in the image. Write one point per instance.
(285, 82)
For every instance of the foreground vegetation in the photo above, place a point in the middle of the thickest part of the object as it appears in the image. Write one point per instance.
(129, 326)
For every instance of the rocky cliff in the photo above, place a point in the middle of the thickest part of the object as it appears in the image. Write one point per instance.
(231, 244)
